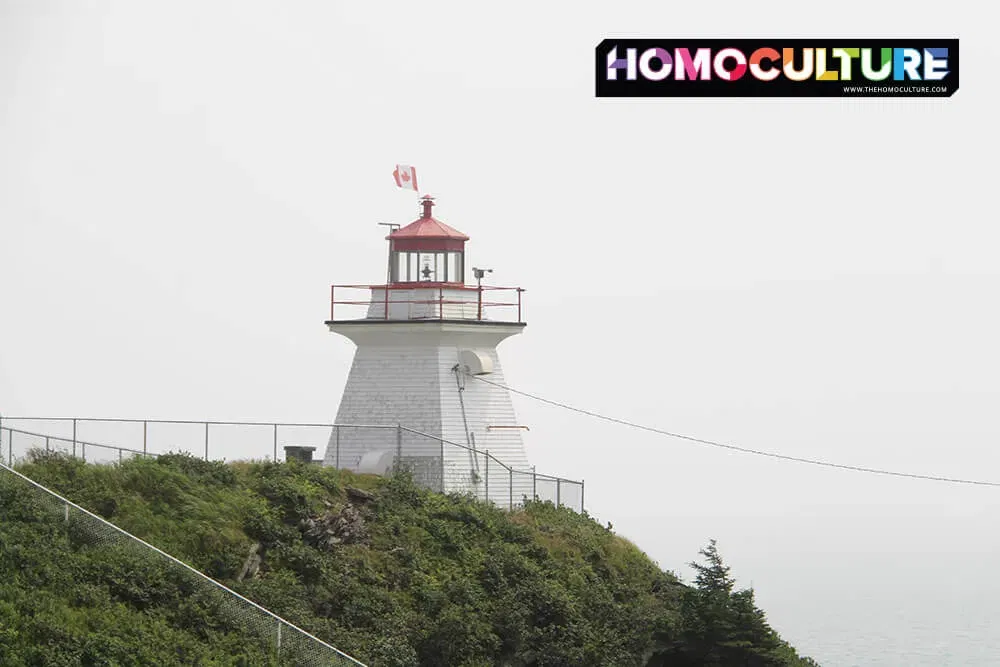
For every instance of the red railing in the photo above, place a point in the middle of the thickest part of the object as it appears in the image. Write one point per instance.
(495, 304)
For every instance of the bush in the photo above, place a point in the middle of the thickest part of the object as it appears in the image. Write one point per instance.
(435, 580)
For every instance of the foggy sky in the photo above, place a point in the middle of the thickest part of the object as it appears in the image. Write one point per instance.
(180, 183)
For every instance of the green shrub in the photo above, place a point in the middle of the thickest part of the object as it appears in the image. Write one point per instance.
(436, 580)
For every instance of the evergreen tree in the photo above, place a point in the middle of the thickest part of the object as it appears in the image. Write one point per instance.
(722, 626)
(713, 578)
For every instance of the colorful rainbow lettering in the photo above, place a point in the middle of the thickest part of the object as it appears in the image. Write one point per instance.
(769, 64)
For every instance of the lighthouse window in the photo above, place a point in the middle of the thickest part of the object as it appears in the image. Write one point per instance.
(438, 267)
(427, 267)
(399, 261)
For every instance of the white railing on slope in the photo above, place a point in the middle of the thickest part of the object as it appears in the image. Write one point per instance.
(284, 636)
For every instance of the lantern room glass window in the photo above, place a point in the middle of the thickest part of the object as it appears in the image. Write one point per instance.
(428, 267)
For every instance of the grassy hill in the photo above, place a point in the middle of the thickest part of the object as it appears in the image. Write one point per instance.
(387, 572)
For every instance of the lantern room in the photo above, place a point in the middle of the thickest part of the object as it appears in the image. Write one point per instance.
(425, 280)
(427, 251)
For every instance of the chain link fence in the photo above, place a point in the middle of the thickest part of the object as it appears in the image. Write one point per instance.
(222, 608)
(109, 440)
(437, 464)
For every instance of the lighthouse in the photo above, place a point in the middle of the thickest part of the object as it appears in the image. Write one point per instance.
(424, 339)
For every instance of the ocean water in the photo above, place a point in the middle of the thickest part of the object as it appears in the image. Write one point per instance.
(938, 632)
(887, 574)
(921, 612)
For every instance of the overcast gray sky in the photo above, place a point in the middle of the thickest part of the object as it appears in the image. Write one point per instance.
(181, 182)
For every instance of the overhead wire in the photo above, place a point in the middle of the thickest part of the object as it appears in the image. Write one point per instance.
(737, 448)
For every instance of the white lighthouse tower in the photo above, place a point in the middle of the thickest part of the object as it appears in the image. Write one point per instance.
(423, 337)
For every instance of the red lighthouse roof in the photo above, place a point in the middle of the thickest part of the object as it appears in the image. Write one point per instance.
(427, 233)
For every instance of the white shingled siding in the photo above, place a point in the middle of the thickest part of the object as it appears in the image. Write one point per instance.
(485, 405)
(425, 303)
(405, 375)
(388, 385)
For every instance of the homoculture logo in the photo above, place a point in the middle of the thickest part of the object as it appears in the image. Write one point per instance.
(777, 68)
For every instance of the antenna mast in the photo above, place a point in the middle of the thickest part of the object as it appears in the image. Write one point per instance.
(388, 268)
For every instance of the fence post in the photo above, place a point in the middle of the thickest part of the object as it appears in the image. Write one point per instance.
(46, 443)
(558, 491)
(399, 447)
(534, 484)
(74, 438)
(487, 475)
(442, 466)
(10, 449)
(279, 637)
(119, 455)
(276, 448)
(581, 496)
(144, 424)
(206, 441)
(510, 486)
(336, 435)
(66, 512)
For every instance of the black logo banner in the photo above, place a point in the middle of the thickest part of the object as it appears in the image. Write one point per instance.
(777, 68)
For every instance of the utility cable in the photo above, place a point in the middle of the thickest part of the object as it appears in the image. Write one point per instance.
(736, 448)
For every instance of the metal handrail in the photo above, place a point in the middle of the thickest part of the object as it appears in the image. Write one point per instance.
(446, 302)
(440, 301)
(431, 285)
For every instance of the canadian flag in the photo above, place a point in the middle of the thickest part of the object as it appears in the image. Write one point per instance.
(406, 176)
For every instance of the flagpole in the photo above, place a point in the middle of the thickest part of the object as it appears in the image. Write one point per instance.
(400, 176)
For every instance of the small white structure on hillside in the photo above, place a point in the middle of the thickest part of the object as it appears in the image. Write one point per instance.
(424, 334)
